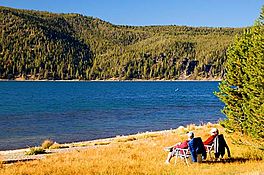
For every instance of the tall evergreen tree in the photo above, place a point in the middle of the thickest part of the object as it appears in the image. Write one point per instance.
(242, 89)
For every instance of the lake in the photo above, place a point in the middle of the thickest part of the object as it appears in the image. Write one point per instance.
(31, 112)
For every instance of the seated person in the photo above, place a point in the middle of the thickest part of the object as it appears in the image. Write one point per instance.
(197, 150)
(183, 145)
(219, 143)
(209, 141)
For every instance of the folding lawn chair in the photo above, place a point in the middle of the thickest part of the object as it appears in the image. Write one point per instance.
(183, 154)
(209, 149)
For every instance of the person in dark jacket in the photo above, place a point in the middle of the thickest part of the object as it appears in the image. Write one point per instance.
(197, 149)
(219, 147)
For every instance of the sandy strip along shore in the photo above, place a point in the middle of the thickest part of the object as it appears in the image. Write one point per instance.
(19, 155)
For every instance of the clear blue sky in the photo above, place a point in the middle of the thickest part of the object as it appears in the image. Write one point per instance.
(213, 13)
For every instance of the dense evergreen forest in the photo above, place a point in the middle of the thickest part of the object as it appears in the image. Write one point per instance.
(43, 45)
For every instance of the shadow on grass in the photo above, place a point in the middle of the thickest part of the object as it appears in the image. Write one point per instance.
(231, 160)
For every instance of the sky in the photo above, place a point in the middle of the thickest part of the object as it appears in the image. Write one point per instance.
(210, 13)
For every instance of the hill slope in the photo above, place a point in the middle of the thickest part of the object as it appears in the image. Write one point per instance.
(42, 45)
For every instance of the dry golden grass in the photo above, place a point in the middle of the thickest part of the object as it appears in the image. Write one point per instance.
(1, 162)
(58, 146)
(144, 155)
(47, 143)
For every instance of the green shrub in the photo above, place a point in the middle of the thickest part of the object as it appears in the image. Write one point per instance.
(35, 151)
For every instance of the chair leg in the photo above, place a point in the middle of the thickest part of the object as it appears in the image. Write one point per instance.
(209, 152)
(186, 161)
(176, 156)
(184, 156)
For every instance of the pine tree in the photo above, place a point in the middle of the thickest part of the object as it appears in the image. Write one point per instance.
(242, 89)
(254, 86)
(231, 89)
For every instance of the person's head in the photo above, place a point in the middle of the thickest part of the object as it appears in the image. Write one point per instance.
(190, 135)
(214, 131)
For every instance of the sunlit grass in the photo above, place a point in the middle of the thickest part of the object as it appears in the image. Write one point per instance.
(142, 154)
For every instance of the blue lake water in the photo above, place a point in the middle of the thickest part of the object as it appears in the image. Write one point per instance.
(31, 112)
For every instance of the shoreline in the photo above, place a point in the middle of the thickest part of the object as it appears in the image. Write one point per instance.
(18, 155)
(100, 139)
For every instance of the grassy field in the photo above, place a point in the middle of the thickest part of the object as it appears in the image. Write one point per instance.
(144, 154)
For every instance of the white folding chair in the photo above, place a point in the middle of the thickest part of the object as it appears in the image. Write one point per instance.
(183, 154)
(209, 149)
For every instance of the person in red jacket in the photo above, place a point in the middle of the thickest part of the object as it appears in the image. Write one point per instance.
(209, 141)
(182, 145)
(219, 144)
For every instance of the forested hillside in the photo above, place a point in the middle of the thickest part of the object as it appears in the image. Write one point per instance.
(42, 45)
